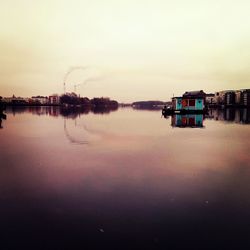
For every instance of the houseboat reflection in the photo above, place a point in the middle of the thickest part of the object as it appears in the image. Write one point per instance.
(187, 120)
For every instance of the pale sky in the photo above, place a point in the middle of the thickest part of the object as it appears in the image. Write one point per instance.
(134, 50)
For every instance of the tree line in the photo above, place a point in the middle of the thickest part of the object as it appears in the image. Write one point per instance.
(73, 99)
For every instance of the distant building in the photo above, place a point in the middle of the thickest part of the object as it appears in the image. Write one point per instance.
(40, 99)
(210, 99)
(238, 97)
(7, 99)
(54, 99)
(246, 97)
(233, 97)
(220, 97)
(15, 100)
(193, 100)
(230, 98)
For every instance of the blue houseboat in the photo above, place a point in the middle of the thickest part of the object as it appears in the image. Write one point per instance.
(189, 102)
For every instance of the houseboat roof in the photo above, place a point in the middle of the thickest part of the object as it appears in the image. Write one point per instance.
(189, 96)
(192, 94)
(197, 93)
(176, 97)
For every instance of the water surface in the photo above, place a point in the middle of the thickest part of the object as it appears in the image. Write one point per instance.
(125, 179)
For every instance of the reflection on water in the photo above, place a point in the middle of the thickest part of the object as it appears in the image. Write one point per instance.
(72, 139)
(2, 114)
(230, 115)
(241, 116)
(188, 120)
(126, 180)
(71, 112)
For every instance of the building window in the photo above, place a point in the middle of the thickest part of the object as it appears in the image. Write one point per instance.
(191, 102)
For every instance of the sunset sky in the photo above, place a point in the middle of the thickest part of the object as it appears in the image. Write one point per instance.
(133, 50)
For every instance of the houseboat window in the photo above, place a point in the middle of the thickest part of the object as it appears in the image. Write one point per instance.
(184, 102)
(191, 102)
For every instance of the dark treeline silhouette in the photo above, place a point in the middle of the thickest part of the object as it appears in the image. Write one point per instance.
(73, 99)
(150, 105)
(68, 99)
(103, 102)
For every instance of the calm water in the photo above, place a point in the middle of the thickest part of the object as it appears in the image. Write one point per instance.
(127, 179)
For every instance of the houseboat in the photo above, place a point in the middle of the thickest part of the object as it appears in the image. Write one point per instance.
(192, 102)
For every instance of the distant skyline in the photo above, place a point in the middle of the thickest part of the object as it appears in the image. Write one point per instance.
(134, 50)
